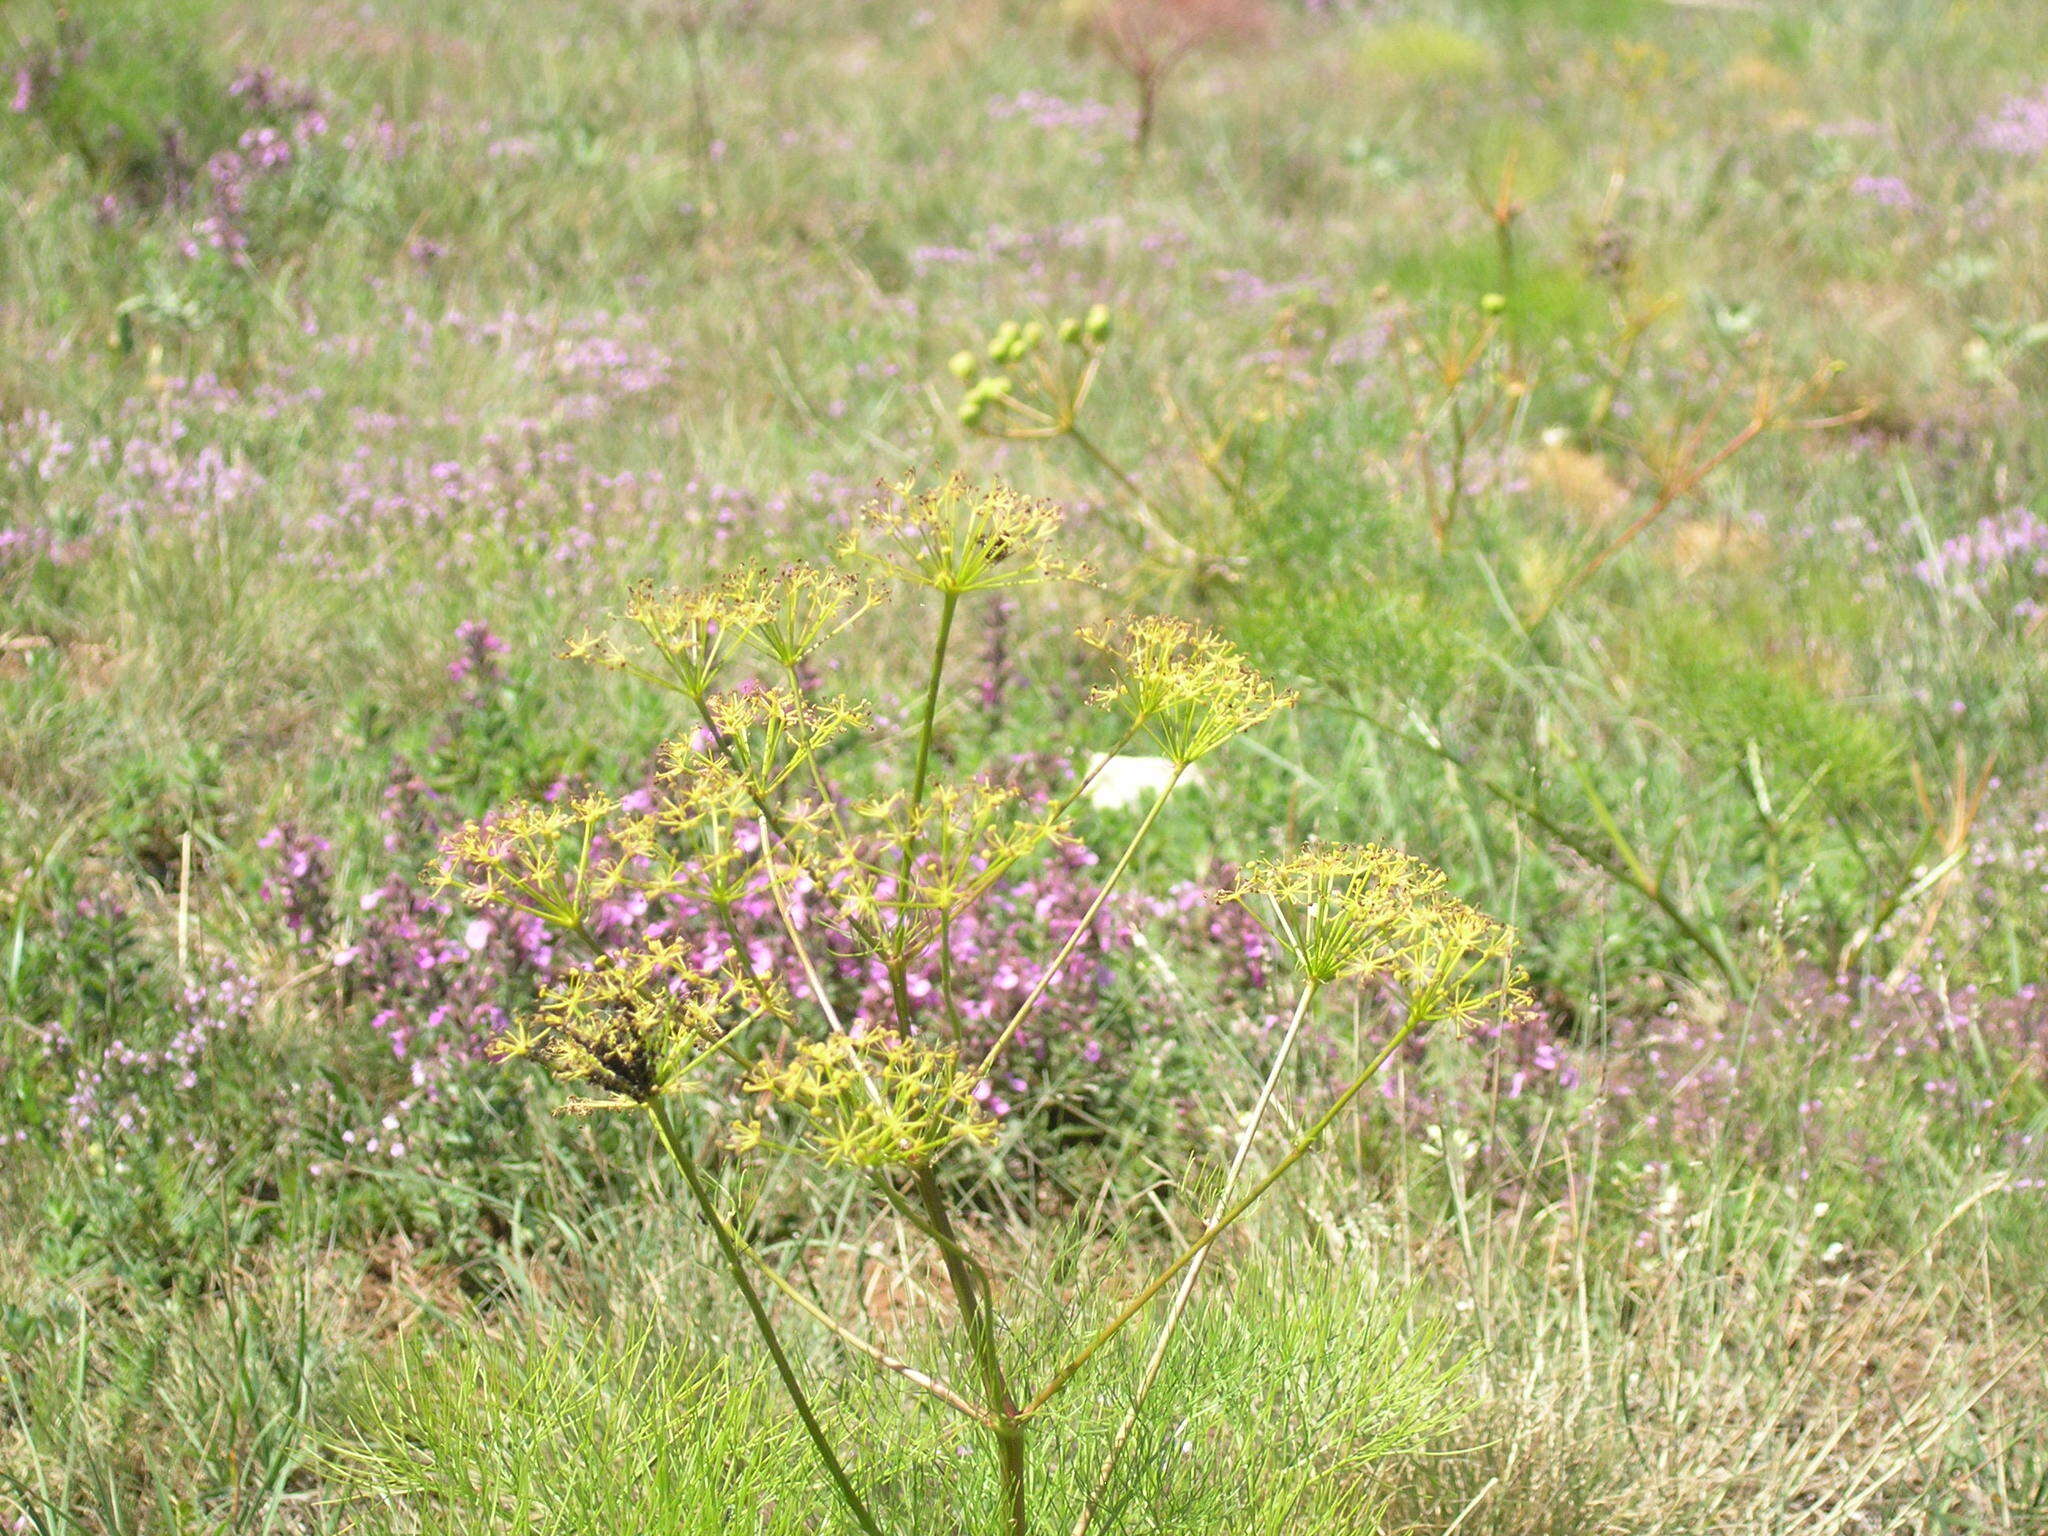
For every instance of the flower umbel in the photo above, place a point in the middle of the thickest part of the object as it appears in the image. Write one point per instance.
(636, 1025)
(960, 538)
(1184, 686)
(795, 610)
(874, 1101)
(1337, 909)
(1342, 910)
(900, 870)
(767, 734)
(693, 631)
(538, 859)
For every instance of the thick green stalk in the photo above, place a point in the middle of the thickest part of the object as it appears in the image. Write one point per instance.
(977, 1321)
(728, 1244)
(949, 604)
(1179, 1305)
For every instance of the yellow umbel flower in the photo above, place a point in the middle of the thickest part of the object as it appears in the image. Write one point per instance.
(1185, 687)
(1336, 908)
(635, 1025)
(799, 608)
(961, 538)
(764, 736)
(900, 870)
(873, 1101)
(539, 859)
(1341, 910)
(693, 632)
(1457, 968)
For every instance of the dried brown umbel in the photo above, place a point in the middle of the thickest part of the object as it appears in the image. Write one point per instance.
(1150, 39)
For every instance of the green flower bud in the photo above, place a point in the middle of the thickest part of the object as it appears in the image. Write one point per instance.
(1032, 334)
(963, 365)
(999, 344)
(1096, 326)
(971, 411)
(1070, 330)
(997, 386)
(1493, 303)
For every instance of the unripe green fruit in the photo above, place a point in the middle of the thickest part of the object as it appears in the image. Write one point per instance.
(1070, 330)
(1493, 303)
(1096, 326)
(963, 365)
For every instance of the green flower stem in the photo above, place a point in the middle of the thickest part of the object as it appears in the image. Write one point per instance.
(1081, 928)
(910, 1373)
(729, 1245)
(978, 1323)
(1087, 780)
(1179, 1305)
(1147, 513)
(949, 604)
(825, 796)
(1301, 1148)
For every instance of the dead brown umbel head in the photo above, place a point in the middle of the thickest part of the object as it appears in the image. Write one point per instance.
(1149, 39)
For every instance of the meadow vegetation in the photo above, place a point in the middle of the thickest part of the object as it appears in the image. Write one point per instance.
(470, 587)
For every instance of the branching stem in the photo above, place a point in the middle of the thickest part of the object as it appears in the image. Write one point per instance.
(729, 1245)
(1178, 1307)
(1301, 1148)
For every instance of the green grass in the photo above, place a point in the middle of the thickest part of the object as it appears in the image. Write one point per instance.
(510, 334)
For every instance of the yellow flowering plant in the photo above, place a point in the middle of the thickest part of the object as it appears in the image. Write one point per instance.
(743, 800)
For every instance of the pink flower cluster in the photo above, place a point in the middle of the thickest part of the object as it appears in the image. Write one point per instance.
(436, 983)
(262, 152)
(1055, 113)
(2011, 548)
(115, 1091)
(2019, 126)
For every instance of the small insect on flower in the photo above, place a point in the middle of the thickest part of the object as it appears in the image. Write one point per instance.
(960, 538)
(541, 859)
(873, 1101)
(1183, 686)
(637, 1024)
